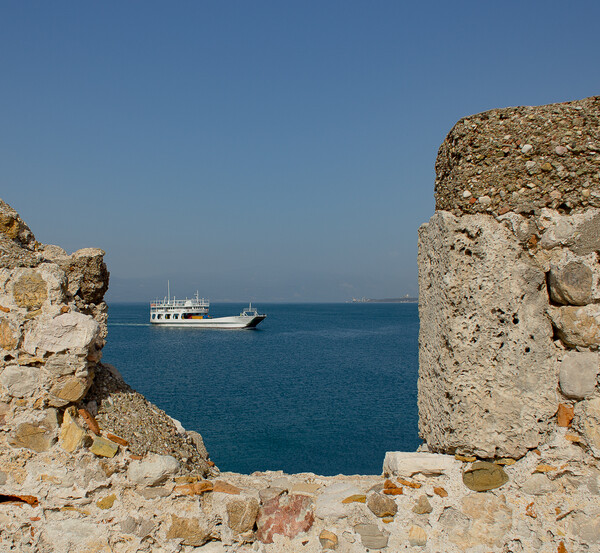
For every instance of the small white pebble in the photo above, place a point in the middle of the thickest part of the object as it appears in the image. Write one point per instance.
(561, 150)
(526, 148)
(466, 194)
(485, 200)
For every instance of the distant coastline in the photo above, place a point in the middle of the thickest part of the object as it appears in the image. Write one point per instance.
(405, 299)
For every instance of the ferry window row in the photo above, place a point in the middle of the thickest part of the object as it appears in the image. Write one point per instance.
(167, 316)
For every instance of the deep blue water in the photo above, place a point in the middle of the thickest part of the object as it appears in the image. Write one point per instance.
(324, 388)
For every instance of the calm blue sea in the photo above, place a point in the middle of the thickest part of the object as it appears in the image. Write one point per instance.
(324, 388)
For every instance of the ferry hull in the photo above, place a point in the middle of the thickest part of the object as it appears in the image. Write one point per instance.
(219, 322)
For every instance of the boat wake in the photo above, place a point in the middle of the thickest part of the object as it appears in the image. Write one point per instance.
(128, 324)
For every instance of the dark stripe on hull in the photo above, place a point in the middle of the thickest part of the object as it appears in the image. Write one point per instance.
(255, 321)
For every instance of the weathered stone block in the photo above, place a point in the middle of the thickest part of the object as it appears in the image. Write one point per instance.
(103, 447)
(71, 435)
(70, 389)
(329, 502)
(417, 536)
(8, 337)
(328, 540)
(577, 326)
(69, 331)
(189, 530)
(571, 284)
(408, 463)
(152, 470)
(87, 274)
(13, 227)
(30, 290)
(382, 505)
(20, 381)
(286, 515)
(587, 421)
(371, 536)
(35, 430)
(242, 514)
(487, 380)
(422, 507)
(578, 374)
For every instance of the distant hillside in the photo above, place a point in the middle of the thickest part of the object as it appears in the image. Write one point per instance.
(405, 299)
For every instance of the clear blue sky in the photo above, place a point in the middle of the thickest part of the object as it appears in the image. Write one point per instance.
(275, 151)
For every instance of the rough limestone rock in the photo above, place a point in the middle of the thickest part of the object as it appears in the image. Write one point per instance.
(328, 540)
(538, 484)
(36, 430)
(241, 514)
(371, 536)
(578, 374)
(381, 505)
(67, 332)
(12, 227)
(423, 507)
(587, 421)
(417, 536)
(20, 381)
(486, 376)
(571, 284)
(577, 326)
(71, 435)
(329, 503)
(152, 470)
(190, 531)
(409, 463)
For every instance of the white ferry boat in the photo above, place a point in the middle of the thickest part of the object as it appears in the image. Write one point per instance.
(194, 313)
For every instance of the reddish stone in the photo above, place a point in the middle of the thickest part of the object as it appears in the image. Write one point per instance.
(503, 210)
(561, 548)
(389, 488)
(440, 491)
(196, 488)
(225, 487)
(19, 499)
(117, 439)
(472, 200)
(89, 420)
(408, 483)
(564, 415)
(287, 515)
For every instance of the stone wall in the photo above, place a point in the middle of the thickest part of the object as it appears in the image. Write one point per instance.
(509, 279)
(52, 330)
